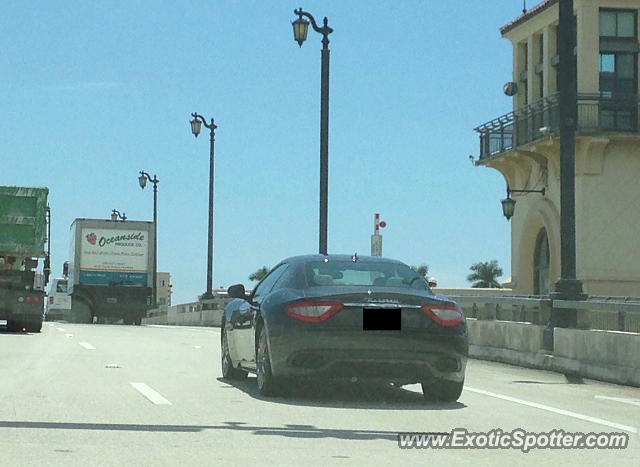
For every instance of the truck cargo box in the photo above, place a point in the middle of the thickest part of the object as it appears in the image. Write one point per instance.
(107, 253)
(23, 224)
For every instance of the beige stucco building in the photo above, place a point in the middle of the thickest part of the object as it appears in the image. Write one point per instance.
(164, 288)
(524, 146)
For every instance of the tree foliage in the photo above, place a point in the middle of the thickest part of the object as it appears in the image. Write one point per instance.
(259, 274)
(485, 274)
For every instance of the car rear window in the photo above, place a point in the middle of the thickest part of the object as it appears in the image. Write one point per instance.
(362, 273)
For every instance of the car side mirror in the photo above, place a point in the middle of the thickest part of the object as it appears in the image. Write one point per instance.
(237, 291)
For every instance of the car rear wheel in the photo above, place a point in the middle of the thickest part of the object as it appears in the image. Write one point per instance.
(228, 371)
(267, 384)
(442, 390)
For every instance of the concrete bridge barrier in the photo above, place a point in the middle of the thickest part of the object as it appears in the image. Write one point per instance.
(187, 314)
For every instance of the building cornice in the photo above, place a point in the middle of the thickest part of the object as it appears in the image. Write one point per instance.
(530, 13)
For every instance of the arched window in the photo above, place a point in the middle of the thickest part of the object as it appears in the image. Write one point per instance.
(541, 264)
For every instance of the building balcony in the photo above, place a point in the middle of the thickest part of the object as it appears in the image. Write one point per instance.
(595, 113)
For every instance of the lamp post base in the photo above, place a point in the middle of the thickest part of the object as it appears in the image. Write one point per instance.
(566, 289)
(569, 289)
(206, 296)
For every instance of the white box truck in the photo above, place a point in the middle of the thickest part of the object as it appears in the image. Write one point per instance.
(110, 270)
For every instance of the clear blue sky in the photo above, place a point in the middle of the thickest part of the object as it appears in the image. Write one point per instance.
(93, 92)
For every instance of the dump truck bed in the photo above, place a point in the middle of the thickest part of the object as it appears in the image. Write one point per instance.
(23, 221)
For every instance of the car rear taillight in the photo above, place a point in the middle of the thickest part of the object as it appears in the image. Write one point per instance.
(445, 314)
(312, 311)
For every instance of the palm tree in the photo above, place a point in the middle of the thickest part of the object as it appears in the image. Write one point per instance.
(421, 270)
(485, 274)
(259, 274)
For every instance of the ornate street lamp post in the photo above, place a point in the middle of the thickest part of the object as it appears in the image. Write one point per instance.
(196, 123)
(115, 215)
(144, 176)
(300, 28)
(568, 287)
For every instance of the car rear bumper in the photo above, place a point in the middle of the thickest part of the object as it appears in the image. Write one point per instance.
(399, 356)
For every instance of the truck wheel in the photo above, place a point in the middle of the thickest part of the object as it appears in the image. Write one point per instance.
(33, 325)
(138, 321)
(81, 312)
(14, 326)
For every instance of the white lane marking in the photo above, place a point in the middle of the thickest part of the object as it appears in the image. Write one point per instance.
(620, 399)
(197, 347)
(87, 346)
(150, 394)
(61, 329)
(69, 335)
(51, 325)
(184, 328)
(566, 413)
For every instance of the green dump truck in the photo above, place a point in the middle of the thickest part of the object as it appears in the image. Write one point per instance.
(24, 263)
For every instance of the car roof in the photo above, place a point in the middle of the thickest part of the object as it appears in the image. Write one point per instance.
(338, 257)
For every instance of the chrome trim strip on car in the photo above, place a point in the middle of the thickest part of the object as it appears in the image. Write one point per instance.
(373, 304)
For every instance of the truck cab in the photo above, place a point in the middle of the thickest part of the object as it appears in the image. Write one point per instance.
(58, 300)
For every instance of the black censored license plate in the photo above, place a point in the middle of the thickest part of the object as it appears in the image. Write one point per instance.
(381, 319)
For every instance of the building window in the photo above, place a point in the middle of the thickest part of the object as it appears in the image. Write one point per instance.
(618, 69)
(522, 68)
(617, 23)
(541, 264)
(540, 65)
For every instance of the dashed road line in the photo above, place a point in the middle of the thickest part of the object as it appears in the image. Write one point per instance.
(87, 346)
(61, 329)
(548, 408)
(624, 400)
(150, 394)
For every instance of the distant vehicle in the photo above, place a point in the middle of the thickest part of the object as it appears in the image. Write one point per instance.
(340, 316)
(110, 270)
(24, 263)
(58, 301)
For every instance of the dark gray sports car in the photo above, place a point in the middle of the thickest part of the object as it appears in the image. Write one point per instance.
(341, 316)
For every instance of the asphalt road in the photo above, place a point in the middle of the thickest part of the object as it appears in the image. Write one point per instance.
(153, 395)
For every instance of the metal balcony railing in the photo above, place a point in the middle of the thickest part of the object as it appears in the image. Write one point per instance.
(595, 112)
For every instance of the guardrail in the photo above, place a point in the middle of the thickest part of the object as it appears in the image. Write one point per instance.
(610, 313)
